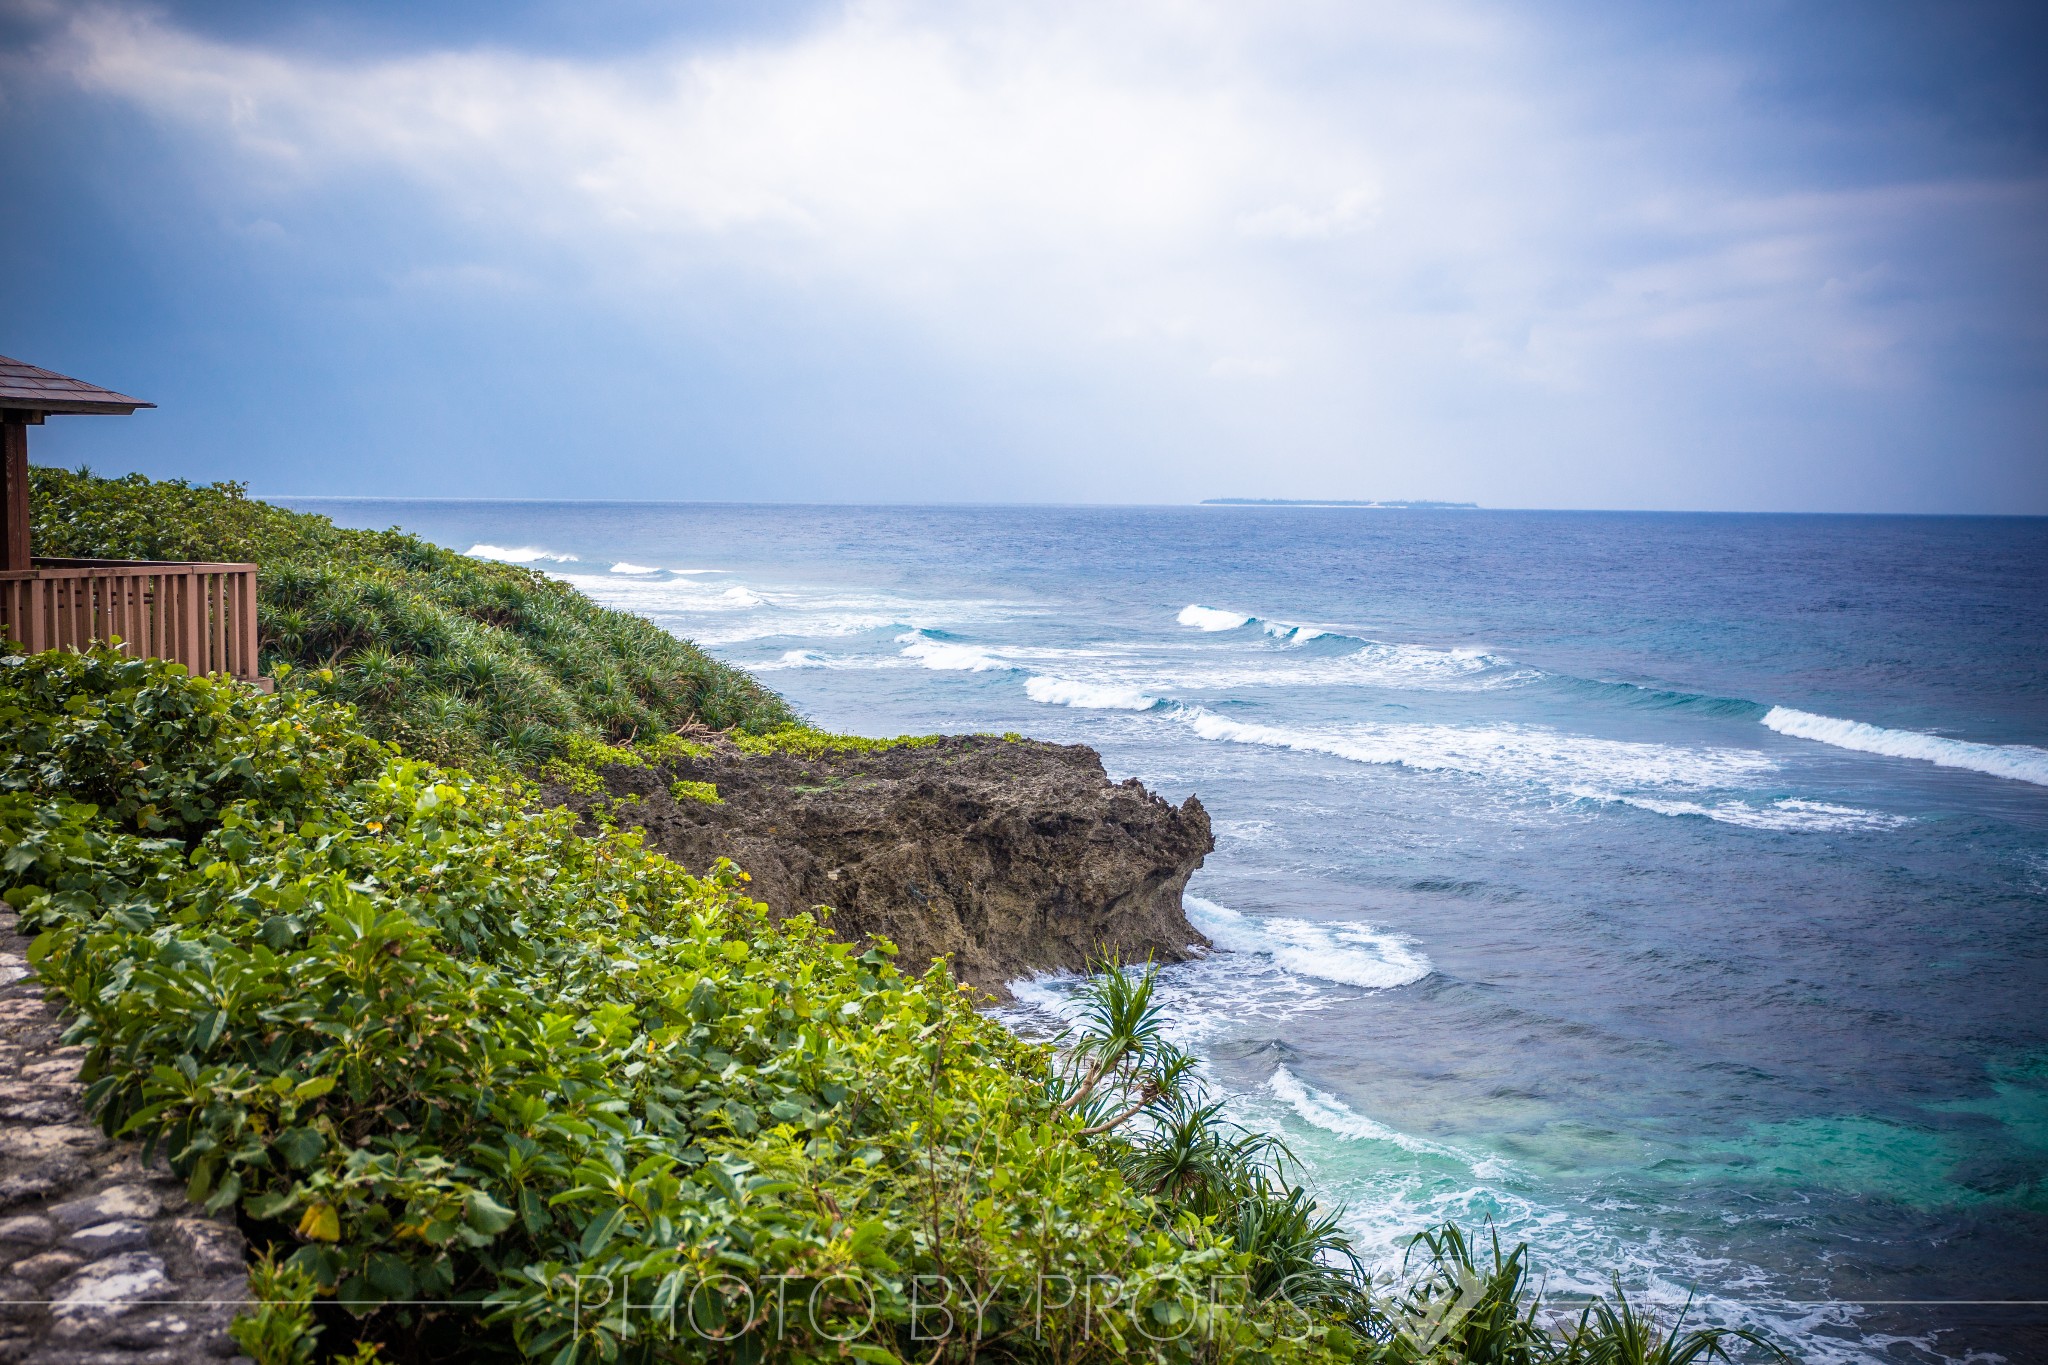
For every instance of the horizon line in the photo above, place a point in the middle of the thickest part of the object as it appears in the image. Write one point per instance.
(1221, 505)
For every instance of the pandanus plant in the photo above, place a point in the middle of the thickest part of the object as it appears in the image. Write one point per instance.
(1119, 1052)
(1619, 1333)
(1138, 1091)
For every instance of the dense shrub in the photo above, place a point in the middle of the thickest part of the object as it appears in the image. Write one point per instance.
(459, 660)
(499, 1088)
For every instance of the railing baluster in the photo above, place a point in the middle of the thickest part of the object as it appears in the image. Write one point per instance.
(194, 604)
(220, 623)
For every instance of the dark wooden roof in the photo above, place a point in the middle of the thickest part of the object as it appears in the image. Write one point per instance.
(33, 389)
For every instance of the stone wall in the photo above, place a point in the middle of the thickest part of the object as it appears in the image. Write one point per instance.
(102, 1260)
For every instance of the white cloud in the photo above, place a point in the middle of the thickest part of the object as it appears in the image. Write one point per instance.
(1405, 202)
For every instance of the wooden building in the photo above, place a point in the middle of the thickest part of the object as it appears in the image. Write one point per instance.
(201, 615)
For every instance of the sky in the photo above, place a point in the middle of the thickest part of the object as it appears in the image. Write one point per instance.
(1739, 256)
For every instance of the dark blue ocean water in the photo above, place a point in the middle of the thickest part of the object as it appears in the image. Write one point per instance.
(1669, 890)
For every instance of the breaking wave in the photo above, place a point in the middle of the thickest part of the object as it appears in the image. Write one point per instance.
(1211, 618)
(1091, 696)
(1217, 619)
(2020, 762)
(1320, 1109)
(946, 656)
(1790, 814)
(1666, 779)
(1526, 752)
(518, 554)
(1347, 954)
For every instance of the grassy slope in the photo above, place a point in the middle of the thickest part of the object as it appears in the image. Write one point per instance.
(459, 660)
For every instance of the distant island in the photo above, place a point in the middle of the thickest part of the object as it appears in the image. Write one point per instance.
(1332, 502)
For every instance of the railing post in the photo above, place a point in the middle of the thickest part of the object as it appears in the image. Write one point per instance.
(14, 546)
(245, 601)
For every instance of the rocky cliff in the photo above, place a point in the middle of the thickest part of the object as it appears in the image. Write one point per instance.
(1010, 856)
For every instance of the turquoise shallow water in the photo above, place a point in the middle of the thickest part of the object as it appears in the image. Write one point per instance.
(1668, 890)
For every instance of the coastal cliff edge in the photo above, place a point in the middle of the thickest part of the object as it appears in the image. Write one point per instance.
(1010, 856)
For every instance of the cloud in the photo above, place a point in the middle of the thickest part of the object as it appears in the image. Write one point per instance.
(1413, 209)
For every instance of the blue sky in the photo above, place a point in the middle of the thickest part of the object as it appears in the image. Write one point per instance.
(1747, 256)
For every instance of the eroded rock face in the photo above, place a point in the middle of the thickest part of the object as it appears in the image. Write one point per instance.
(1010, 856)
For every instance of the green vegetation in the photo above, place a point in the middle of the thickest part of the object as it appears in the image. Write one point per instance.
(682, 789)
(459, 660)
(805, 741)
(436, 1045)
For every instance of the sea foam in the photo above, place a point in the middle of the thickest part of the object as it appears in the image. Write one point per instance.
(1788, 814)
(1090, 696)
(1527, 753)
(1217, 619)
(1320, 1109)
(1342, 952)
(1211, 618)
(518, 554)
(946, 656)
(2020, 762)
(1665, 779)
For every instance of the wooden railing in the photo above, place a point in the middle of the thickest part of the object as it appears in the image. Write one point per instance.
(200, 615)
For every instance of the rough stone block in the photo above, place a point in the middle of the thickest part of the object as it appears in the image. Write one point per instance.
(49, 1139)
(20, 1301)
(29, 1229)
(49, 1266)
(85, 1301)
(108, 1205)
(211, 1248)
(42, 1180)
(102, 1239)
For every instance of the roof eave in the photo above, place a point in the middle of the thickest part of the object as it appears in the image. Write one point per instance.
(48, 407)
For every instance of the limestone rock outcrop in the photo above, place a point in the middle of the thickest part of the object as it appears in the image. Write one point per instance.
(1009, 856)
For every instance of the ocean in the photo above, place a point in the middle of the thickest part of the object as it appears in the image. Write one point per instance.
(1665, 891)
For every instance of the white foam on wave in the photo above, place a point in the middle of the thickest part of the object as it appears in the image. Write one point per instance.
(947, 657)
(1211, 618)
(1665, 779)
(1526, 752)
(1407, 668)
(1342, 952)
(518, 554)
(1281, 630)
(1789, 814)
(1212, 996)
(2020, 762)
(656, 592)
(812, 658)
(1090, 696)
(1320, 1109)
(1217, 619)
